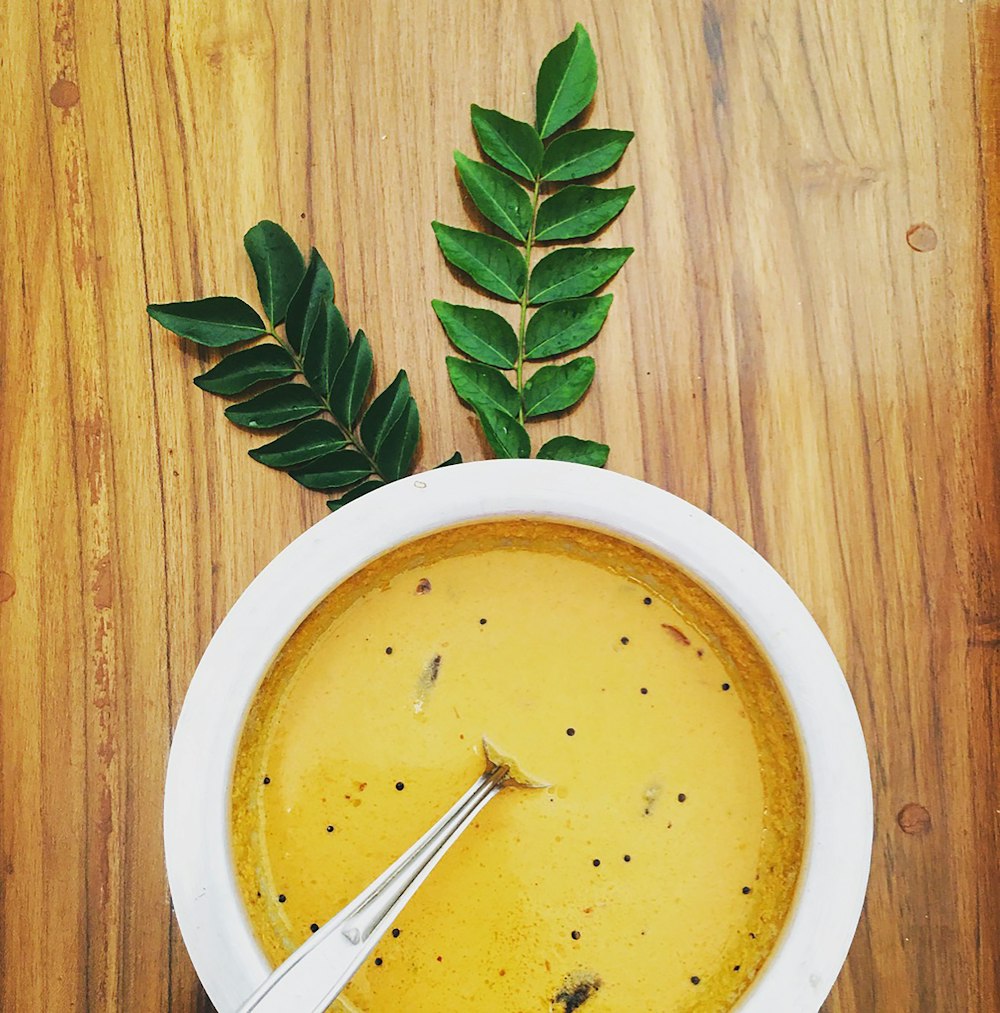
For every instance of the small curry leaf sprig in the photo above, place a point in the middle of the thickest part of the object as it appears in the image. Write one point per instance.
(311, 375)
(533, 162)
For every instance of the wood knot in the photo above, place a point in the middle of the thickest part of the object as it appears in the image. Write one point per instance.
(921, 237)
(8, 586)
(914, 819)
(64, 93)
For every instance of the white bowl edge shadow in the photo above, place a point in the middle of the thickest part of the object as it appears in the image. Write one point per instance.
(813, 946)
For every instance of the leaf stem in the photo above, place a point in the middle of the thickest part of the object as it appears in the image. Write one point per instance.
(345, 432)
(529, 242)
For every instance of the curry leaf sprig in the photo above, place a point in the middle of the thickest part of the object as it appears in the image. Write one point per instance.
(311, 374)
(557, 311)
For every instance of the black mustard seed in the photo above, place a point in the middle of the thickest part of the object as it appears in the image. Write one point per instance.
(597, 862)
(395, 933)
(329, 828)
(400, 786)
(571, 731)
(725, 687)
(388, 650)
(647, 601)
(695, 980)
(624, 640)
(643, 691)
(281, 898)
(628, 858)
(681, 797)
(746, 890)
(267, 780)
(482, 622)
(575, 934)
(378, 961)
(314, 927)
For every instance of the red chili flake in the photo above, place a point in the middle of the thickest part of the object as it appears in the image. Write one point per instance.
(677, 634)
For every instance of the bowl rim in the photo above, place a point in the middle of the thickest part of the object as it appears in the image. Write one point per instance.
(801, 970)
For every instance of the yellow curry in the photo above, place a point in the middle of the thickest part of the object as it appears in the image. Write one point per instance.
(655, 872)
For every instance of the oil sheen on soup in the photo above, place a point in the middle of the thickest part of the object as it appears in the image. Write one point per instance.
(655, 873)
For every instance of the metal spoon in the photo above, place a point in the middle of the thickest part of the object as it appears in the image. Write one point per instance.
(316, 973)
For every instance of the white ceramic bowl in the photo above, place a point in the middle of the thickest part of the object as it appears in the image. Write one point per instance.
(810, 953)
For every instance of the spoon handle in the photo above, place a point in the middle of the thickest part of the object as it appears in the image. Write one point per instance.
(316, 973)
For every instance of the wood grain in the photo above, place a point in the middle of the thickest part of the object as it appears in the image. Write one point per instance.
(804, 345)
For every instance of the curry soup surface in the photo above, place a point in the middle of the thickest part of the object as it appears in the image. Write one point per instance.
(656, 871)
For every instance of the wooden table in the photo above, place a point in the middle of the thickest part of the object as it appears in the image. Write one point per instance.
(803, 344)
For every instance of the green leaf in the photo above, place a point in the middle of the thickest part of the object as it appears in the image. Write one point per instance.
(482, 386)
(350, 385)
(583, 153)
(356, 493)
(578, 211)
(315, 292)
(243, 369)
(333, 471)
(455, 458)
(566, 274)
(217, 321)
(501, 199)
(555, 388)
(304, 443)
(482, 334)
(515, 145)
(278, 264)
(325, 349)
(384, 411)
(565, 325)
(495, 264)
(569, 448)
(505, 434)
(396, 450)
(567, 80)
(288, 402)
